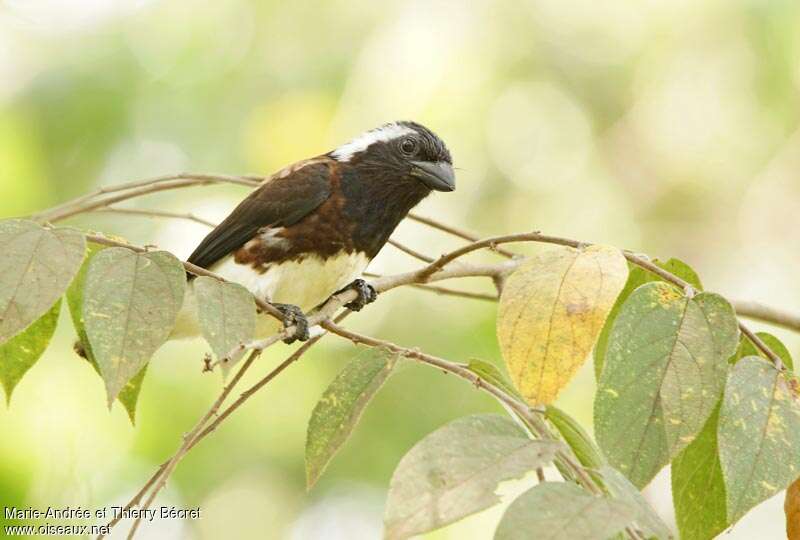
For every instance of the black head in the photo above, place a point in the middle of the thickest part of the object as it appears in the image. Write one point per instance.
(401, 152)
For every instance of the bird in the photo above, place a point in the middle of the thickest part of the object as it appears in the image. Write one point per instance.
(310, 230)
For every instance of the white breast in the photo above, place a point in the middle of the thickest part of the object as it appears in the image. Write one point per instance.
(306, 283)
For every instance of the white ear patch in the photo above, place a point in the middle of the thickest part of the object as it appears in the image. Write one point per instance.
(387, 132)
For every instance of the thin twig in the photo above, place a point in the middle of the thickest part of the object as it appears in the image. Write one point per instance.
(189, 439)
(446, 291)
(440, 263)
(409, 251)
(460, 233)
(763, 347)
(154, 213)
(294, 357)
(136, 499)
(131, 190)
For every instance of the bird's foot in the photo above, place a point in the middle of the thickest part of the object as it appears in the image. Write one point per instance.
(366, 294)
(294, 316)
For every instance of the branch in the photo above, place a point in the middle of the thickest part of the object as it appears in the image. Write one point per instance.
(492, 243)
(138, 188)
(446, 291)
(409, 251)
(383, 284)
(760, 312)
(460, 233)
(154, 213)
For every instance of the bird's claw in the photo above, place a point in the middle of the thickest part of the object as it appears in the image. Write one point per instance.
(366, 294)
(293, 316)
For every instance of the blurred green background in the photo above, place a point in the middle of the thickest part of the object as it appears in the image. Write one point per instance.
(666, 126)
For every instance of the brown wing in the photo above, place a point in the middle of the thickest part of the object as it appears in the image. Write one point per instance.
(282, 201)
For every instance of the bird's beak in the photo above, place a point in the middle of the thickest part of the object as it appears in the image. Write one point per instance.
(438, 176)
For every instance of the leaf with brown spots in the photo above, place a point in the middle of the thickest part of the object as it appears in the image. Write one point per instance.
(551, 312)
(130, 303)
(664, 374)
(758, 435)
(637, 277)
(129, 395)
(341, 406)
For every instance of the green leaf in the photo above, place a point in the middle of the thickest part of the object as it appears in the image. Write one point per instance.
(746, 348)
(563, 511)
(492, 375)
(576, 437)
(129, 395)
(226, 312)
(665, 371)
(697, 480)
(778, 348)
(638, 276)
(130, 304)
(454, 471)
(36, 268)
(698, 489)
(340, 408)
(647, 520)
(758, 435)
(22, 351)
(550, 314)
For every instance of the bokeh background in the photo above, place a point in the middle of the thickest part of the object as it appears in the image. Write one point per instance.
(665, 126)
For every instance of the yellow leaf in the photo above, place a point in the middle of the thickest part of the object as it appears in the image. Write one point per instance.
(551, 312)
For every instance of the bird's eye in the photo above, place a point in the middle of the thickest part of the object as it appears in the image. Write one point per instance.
(408, 146)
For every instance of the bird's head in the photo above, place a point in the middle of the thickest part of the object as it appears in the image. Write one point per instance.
(401, 152)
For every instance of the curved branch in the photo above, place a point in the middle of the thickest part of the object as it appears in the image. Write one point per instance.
(135, 189)
(449, 229)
